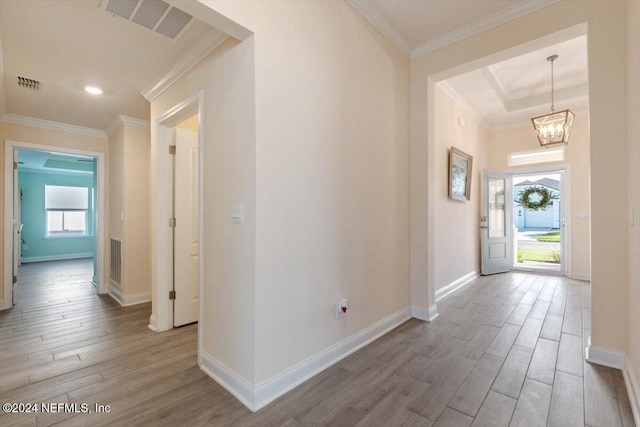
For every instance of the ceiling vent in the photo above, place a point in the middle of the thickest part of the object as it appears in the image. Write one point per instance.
(28, 83)
(155, 15)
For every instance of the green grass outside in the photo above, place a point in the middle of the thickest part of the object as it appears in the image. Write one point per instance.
(539, 255)
(552, 236)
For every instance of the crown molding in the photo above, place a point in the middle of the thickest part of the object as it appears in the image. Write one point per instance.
(563, 94)
(57, 126)
(451, 93)
(376, 19)
(534, 100)
(498, 18)
(121, 121)
(115, 125)
(191, 59)
(136, 123)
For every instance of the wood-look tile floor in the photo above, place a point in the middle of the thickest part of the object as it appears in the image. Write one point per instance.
(507, 350)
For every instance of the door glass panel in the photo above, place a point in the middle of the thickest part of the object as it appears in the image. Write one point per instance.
(496, 208)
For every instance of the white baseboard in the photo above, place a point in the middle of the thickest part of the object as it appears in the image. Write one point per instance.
(631, 383)
(456, 284)
(127, 300)
(581, 276)
(229, 380)
(280, 384)
(427, 315)
(153, 323)
(605, 357)
(56, 257)
(268, 391)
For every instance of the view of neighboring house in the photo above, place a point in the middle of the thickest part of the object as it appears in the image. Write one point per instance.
(542, 218)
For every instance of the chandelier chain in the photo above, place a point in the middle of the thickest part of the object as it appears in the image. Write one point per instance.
(552, 106)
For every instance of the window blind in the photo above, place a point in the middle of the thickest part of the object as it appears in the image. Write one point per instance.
(66, 198)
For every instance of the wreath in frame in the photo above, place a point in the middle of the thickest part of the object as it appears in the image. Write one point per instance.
(544, 195)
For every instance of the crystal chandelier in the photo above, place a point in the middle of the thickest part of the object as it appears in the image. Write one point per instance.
(553, 128)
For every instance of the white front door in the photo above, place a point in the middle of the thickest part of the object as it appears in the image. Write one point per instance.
(496, 223)
(186, 232)
(17, 240)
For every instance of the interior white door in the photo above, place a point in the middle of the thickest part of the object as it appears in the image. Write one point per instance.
(17, 241)
(496, 224)
(186, 232)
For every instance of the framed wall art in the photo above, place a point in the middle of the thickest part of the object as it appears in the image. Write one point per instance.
(460, 169)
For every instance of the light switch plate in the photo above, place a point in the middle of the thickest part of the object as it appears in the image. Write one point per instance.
(237, 214)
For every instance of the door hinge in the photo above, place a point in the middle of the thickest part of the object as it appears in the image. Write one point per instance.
(172, 294)
(15, 165)
(15, 279)
(172, 149)
(172, 222)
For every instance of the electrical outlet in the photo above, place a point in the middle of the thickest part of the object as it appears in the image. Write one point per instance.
(341, 308)
(339, 312)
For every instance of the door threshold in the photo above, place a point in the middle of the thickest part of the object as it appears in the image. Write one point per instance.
(539, 271)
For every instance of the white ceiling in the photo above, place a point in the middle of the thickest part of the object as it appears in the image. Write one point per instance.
(504, 94)
(68, 44)
(511, 92)
(417, 27)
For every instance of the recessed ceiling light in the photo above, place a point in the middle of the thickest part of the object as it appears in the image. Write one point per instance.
(93, 90)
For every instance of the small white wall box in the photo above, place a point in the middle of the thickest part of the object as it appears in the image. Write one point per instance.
(237, 214)
(341, 308)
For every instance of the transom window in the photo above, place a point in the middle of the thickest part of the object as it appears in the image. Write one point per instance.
(536, 157)
(66, 209)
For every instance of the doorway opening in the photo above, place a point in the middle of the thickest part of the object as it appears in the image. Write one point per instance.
(538, 221)
(55, 213)
(176, 263)
(523, 223)
(54, 207)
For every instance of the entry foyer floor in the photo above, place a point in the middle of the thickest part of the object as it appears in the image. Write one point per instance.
(506, 350)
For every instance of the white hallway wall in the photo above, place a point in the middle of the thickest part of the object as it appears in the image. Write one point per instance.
(457, 234)
(129, 210)
(633, 159)
(331, 177)
(228, 157)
